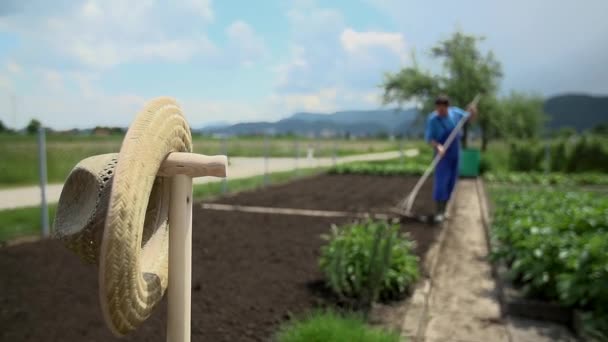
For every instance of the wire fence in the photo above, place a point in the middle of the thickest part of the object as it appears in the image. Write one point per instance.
(47, 157)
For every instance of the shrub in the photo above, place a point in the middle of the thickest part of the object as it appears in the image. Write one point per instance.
(589, 153)
(369, 260)
(485, 164)
(331, 327)
(559, 156)
(525, 156)
(585, 153)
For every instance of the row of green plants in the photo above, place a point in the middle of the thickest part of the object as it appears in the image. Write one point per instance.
(391, 167)
(363, 262)
(555, 245)
(552, 178)
(584, 153)
(394, 168)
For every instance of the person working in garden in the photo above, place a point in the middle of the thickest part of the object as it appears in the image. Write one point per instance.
(440, 124)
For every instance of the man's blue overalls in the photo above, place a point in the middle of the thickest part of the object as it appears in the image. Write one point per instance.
(438, 128)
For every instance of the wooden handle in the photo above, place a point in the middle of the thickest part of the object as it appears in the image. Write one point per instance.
(408, 202)
(193, 165)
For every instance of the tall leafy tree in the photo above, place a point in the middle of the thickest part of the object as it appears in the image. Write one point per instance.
(522, 116)
(466, 72)
(33, 126)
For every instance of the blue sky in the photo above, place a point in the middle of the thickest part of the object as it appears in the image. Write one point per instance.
(94, 62)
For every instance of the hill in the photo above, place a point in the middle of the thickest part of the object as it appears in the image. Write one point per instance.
(578, 111)
(354, 122)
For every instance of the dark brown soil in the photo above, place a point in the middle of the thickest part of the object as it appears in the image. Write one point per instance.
(340, 193)
(250, 271)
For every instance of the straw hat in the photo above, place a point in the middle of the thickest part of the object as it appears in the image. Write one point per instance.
(113, 211)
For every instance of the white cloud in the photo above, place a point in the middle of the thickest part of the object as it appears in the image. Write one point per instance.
(328, 54)
(91, 10)
(373, 98)
(544, 45)
(323, 100)
(320, 74)
(66, 100)
(245, 43)
(102, 34)
(53, 80)
(13, 67)
(362, 42)
(5, 83)
(203, 8)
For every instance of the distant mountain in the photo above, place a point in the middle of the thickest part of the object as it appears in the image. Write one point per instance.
(216, 124)
(359, 123)
(581, 112)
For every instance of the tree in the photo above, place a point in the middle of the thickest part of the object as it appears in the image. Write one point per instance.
(522, 116)
(600, 129)
(33, 126)
(566, 132)
(3, 128)
(467, 72)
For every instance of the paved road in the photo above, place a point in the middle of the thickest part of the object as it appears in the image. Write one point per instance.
(240, 167)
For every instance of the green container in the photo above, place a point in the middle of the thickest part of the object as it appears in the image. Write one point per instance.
(469, 162)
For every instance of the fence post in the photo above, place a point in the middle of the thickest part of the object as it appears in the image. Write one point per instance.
(334, 156)
(43, 179)
(297, 148)
(547, 158)
(224, 151)
(317, 149)
(401, 153)
(266, 151)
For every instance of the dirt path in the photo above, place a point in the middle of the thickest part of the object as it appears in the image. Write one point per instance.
(462, 303)
(240, 167)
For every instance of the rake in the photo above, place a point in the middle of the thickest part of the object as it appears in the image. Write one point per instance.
(405, 207)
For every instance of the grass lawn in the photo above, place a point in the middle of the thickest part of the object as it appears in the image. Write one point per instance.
(15, 223)
(332, 327)
(19, 153)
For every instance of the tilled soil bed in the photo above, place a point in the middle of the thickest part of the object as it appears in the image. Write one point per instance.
(250, 271)
(360, 193)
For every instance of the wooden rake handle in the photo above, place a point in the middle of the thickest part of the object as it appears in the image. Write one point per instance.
(193, 165)
(409, 200)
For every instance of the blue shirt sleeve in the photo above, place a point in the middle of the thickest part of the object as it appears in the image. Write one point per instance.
(431, 130)
(459, 114)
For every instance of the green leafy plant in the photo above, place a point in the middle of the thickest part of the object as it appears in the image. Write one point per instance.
(332, 327)
(593, 326)
(368, 261)
(541, 178)
(555, 244)
(392, 167)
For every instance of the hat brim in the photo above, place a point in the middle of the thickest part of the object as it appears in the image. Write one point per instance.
(113, 210)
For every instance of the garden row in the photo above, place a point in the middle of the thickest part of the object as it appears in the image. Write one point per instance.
(417, 166)
(585, 153)
(255, 275)
(553, 244)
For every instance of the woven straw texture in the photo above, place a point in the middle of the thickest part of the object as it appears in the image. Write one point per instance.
(113, 211)
(132, 277)
(83, 205)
